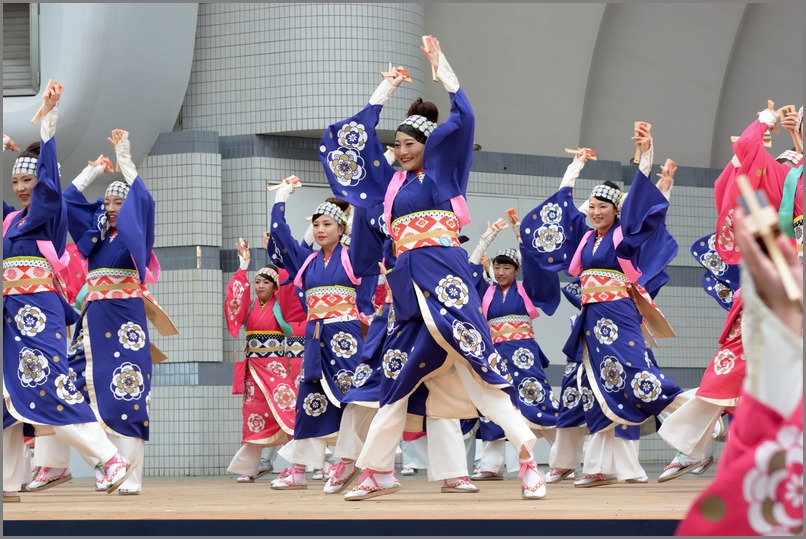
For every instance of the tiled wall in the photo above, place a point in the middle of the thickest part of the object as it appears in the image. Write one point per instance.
(266, 80)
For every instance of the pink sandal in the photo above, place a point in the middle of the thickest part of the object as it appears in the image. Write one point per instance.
(364, 492)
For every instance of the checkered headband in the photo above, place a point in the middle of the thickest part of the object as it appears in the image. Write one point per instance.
(331, 210)
(345, 240)
(117, 189)
(420, 123)
(270, 273)
(512, 254)
(24, 165)
(605, 192)
(791, 155)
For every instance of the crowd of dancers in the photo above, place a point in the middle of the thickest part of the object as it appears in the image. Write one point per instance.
(378, 325)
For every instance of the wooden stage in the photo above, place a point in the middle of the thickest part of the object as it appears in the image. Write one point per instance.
(217, 506)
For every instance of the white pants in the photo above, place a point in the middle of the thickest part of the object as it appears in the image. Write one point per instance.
(246, 460)
(447, 456)
(131, 448)
(415, 453)
(16, 466)
(353, 430)
(308, 451)
(567, 450)
(609, 455)
(689, 428)
(493, 456)
(387, 427)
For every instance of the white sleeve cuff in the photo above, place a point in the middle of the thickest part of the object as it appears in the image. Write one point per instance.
(382, 93)
(47, 125)
(584, 206)
(390, 156)
(768, 117)
(244, 265)
(308, 236)
(446, 75)
(87, 176)
(481, 248)
(645, 164)
(773, 354)
(735, 161)
(124, 157)
(572, 173)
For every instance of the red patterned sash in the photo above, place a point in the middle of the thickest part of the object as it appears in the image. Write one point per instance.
(601, 285)
(428, 228)
(513, 327)
(331, 302)
(112, 283)
(27, 275)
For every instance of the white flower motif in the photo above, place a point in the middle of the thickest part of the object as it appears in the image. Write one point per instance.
(344, 379)
(499, 365)
(248, 391)
(570, 367)
(391, 326)
(30, 320)
(551, 213)
(523, 358)
(127, 382)
(34, 368)
(76, 344)
(255, 423)
(343, 345)
(548, 238)
(285, 397)
(574, 289)
(66, 388)
(713, 262)
(347, 166)
(393, 362)
(132, 336)
(315, 404)
(571, 397)
(773, 489)
(469, 338)
(606, 331)
(452, 292)
(646, 386)
(724, 362)
(353, 135)
(531, 392)
(362, 374)
(723, 292)
(276, 368)
(587, 399)
(612, 374)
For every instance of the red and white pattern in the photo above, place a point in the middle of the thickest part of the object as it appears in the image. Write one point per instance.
(600, 286)
(112, 284)
(425, 229)
(27, 276)
(511, 328)
(330, 302)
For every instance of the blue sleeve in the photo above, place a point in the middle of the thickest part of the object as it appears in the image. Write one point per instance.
(365, 292)
(82, 218)
(541, 285)
(367, 241)
(449, 150)
(7, 208)
(293, 254)
(136, 225)
(352, 156)
(479, 282)
(641, 216)
(552, 231)
(47, 208)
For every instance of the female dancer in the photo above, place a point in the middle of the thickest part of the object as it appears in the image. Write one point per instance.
(440, 346)
(510, 307)
(626, 385)
(266, 382)
(39, 387)
(333, 339)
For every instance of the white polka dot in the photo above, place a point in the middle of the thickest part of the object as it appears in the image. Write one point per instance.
(597, 348)
(124, 417)
(565, 256)
(620, 406)
(332, 361)
(116, 354)
(33, 405)
(565, 204)
(17, 339)
(301, 294)
(363, 196)
(539, 415)
(271, 379)
(443, 312)
(517, 373)
(274, 225)
(372, 221)
(475, 274)
(266, 414)
(526, 230)
(322, 148)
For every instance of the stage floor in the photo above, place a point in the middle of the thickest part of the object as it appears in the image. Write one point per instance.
(219, 506)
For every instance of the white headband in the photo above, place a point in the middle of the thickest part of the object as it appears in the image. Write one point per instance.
(510, 253)
(608, 193)
(420, 123)
(25, 165)
(269, 272)
(331, 210)
(117, 189)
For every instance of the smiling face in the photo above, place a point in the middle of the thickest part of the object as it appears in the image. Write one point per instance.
(112, 206)
(504, 274)
(408, 152)
(327, 232)
(602, 214)
(23, 185)
(264, 288)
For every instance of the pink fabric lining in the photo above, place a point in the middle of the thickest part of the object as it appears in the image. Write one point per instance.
(45, 246)
(345, 262)
(632, 273)
(458, 203)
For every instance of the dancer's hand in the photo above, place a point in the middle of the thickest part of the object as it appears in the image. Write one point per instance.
(431, 49)
(51, 97)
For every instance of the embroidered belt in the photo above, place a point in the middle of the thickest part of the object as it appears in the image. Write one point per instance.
(331, 302)
(430, 228)
(295, 346)
(265, 344)
(602, 285)
(514, 327)
(112, 283)
(27, 275)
